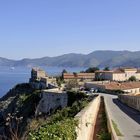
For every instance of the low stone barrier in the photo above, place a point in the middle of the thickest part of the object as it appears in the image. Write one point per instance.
(87, 119)
(132, 101)
(110, 126)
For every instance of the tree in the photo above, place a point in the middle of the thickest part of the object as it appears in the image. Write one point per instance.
(72, 84)
(75, 74)
(64, 71)
(62, 74)
(59, 82)
(106, 69)
(132, 78)
(92, 69)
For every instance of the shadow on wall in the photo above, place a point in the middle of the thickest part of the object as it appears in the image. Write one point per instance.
(132, 113)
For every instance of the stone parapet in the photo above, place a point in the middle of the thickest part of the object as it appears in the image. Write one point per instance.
(87, 120)
(132, 101)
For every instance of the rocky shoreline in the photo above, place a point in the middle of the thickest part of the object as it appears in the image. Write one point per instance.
(16, 104)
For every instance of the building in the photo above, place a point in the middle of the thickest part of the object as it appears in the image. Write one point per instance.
(37, 74)
(121, 74)
(128, 87)
(79, 76)
(51, 99)
(40, 80)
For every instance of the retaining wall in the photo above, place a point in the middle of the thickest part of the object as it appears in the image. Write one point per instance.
(132, 101)
(51, 100)
(87, 119)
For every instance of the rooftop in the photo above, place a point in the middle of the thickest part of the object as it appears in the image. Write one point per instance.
(119, 70)
(78, 75)
(122, 86)
(104, 71)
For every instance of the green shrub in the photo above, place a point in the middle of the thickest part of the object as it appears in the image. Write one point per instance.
(61, 130)
(75, 96)
(132, 78)
(61, 125)
(104, 136)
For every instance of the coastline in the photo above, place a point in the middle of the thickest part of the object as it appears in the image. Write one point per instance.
(10, 78)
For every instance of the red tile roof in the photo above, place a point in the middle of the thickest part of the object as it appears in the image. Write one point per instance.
(122, 86)
(118, 71)
(103, 71)
(78, 75)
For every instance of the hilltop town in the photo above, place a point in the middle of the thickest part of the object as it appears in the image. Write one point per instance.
(69, 70)
(80, 95)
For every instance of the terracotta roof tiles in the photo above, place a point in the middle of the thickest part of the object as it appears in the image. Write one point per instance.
(122, 86)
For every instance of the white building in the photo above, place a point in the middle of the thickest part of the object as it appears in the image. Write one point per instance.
(122, 74)
(129, 87)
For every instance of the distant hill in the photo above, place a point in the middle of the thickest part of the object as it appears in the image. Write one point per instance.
(96, 58)
(6, 62)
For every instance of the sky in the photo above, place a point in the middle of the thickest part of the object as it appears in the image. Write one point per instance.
(38, 28)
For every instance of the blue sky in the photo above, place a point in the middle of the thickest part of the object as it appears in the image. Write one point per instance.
(37, 28)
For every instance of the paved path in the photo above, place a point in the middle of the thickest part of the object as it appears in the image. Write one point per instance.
(127, 119)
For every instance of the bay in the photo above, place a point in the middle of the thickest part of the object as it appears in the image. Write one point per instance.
(9, 77)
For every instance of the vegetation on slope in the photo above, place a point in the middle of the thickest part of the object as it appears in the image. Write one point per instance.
(61, 125)
(18, 104)
(21, 123)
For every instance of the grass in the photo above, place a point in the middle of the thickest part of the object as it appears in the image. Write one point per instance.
(103, 133)
(116, 129)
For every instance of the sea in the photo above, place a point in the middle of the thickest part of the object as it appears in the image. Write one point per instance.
(11, 76)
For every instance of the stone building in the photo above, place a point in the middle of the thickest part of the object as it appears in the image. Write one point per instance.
(40, 80)
(37, 74)
(121, 74)
(128, 87)
(79, 76)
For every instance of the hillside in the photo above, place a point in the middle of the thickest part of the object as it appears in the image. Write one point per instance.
(96, 58)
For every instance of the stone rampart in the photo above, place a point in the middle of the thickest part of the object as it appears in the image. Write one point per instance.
(132, 101)
(87, 119)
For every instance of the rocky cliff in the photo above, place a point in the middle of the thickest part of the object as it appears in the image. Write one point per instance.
(19, 102)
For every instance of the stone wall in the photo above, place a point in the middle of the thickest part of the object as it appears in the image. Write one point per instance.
(119, 77)
(51, 100)
(134, 90)
(100, 85)
(110, 125)
(132, 101)
(87, 119)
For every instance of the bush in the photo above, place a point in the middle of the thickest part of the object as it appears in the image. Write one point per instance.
(72, 84)
(104, 136)
(61, 125)
(132, 78)
(61, 130)
(75, 96)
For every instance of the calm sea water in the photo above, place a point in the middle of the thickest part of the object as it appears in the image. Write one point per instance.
(9, 77)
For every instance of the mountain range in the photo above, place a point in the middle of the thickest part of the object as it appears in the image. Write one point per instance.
(94, 59)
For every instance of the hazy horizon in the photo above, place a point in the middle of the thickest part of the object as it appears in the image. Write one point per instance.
(66, 54)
